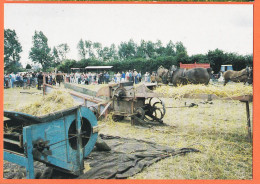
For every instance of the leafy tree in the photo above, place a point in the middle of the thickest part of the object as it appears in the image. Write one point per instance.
(112, 54)
(181, 52)
(198, 58)
(170, 49)
(28, 66)
(89, 49)
(81, 49)
(217, 58)
(160, 50)
(127, 49)
(63, 49)
(40, 52)
(98, 49)
(141, 50)
(66, 65)
(150, 49)
(12, 50)
(55, 55)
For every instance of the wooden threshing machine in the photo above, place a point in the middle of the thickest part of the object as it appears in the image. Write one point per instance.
(139, 103)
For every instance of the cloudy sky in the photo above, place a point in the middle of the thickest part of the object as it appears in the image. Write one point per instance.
(200, 27)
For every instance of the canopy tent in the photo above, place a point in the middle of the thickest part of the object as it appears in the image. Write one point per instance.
(98, 67)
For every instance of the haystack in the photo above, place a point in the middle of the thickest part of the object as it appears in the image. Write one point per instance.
(56, 100)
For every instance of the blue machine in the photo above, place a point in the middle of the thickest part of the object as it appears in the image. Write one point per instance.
(226, 68)
(60, 139)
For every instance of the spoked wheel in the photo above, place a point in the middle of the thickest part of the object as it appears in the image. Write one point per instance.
(154, 109)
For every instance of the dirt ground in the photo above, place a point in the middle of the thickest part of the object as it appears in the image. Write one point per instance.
(218, 129)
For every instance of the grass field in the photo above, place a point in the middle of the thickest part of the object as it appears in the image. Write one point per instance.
(218, 130)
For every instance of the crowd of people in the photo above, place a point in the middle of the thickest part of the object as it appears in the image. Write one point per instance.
(22, 79)
(105, 77)
(19, 79)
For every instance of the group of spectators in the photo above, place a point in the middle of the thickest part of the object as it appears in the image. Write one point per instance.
(22, 79)
(88, 78)
(128, 76)
(34, 79)
(28, 79)
(105, 77)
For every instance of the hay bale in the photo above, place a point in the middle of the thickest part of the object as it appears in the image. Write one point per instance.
(56, 100)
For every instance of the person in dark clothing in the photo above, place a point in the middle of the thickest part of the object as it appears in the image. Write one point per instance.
(40, 80)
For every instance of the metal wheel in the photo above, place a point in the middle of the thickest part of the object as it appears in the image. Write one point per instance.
(154, 109)
(140, 113)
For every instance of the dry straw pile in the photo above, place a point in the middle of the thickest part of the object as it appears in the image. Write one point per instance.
(230, 90)
(56, 100)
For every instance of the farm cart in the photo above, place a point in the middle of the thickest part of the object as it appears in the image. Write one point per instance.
(60, 139)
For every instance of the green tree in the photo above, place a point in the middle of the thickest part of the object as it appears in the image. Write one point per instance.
(127, 50)
(217, 58)
(12, 50)
(159, 48)
(141, 50)
(28, 66)
(40, 52)
(89, 49)
(150, 49)
(181, 52)
(112, 54)
(170, 49)
(63, 49)
(55, 55)
(98, 49)
(81, 49)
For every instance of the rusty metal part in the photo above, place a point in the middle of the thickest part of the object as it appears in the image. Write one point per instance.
(154, 109)
(95, 111)
(117, 118)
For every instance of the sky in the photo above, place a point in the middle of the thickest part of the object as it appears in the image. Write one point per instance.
(199, 27)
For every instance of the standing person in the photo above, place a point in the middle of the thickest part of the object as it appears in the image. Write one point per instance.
(146, 77)
(140, 76)
(118, 76)
(115, 78)
(153, 77)
(101, 78)
(127, 76)
(12, 79)
(18, 80)
(123, 77)
(6, 81)
(94, 78)
(25, 79)
(135, 76)
(107, 77)
(40, 80)
(130, 76)
(90, 78)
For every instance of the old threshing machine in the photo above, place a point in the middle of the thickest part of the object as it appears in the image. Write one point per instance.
(60, 139)
(139, 103)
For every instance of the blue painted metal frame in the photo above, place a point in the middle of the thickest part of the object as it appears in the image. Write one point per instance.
(26, 161)
(53, 129)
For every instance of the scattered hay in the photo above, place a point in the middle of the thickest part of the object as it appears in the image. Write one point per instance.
(54, 101)
(230, 90)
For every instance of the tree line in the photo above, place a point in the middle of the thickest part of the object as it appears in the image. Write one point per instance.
(143, 56)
